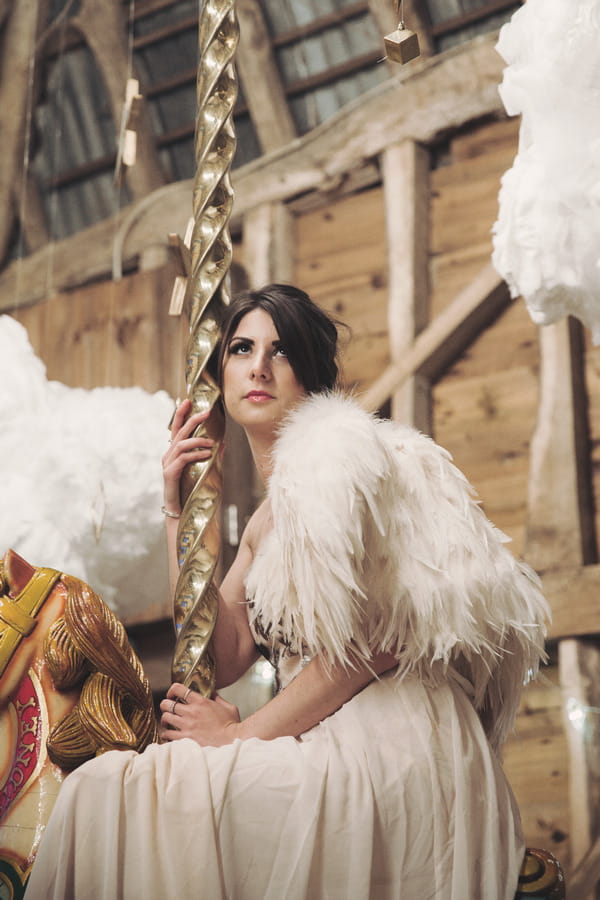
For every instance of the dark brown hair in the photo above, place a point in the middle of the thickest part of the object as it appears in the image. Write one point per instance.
(308, 334)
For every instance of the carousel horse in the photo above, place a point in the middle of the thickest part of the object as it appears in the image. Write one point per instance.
(71, 688)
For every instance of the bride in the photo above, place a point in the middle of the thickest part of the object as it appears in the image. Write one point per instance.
(401, 629)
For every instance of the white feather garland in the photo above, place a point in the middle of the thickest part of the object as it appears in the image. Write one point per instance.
(379, 544)
(547, 235)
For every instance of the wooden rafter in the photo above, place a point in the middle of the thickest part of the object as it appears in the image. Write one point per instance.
(261, 81)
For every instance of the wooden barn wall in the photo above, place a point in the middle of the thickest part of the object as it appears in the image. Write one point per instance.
(483, 408)
(116, 333)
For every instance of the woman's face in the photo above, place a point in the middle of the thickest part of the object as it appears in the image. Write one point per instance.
(259, 384)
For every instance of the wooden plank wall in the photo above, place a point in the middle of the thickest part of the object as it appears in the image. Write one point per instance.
(341, 261)
(115, 333)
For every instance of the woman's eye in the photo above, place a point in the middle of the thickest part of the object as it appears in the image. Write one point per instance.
(239, 348)
(279, 351)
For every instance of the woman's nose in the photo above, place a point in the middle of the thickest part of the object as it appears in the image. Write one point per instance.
(261, 368)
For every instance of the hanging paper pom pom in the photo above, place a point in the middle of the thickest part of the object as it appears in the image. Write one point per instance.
(547, 236)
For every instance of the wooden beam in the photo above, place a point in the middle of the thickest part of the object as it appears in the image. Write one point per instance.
(405, 169)
(572, 593)
(445, 338)
(560, 526)
(321, 23)
(18, 44)
(268, 244)
(579, 666)
(419, 103)
(261, 82)
(5, 8)
(32, 215)
(481, 12)
(443, 92)
(584, 879)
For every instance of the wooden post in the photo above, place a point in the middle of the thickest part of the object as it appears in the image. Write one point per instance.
(560, 532)
(406, 192)
(268, 244)
(560, 528)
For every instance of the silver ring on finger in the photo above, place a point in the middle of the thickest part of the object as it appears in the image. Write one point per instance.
(173, 707)
(186, 695)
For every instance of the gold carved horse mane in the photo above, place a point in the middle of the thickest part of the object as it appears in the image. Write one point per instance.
(71, 688)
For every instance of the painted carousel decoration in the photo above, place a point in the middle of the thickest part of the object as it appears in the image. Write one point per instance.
(70, 688)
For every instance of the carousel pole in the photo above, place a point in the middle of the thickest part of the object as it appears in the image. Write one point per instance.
(198, 538)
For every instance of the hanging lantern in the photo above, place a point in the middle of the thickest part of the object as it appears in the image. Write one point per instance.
(547, 235)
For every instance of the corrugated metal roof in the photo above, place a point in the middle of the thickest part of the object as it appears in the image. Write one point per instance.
(74, 128)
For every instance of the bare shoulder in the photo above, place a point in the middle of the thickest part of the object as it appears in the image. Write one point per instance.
(232, 586)
(259, 525)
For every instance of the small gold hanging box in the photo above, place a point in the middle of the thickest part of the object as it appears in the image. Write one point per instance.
(402, 45)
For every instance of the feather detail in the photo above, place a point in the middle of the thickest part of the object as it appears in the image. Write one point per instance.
(378, 544)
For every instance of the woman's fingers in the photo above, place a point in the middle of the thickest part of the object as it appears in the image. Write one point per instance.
(184, 424)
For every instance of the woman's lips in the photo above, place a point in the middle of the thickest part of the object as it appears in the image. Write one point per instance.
(258, 396)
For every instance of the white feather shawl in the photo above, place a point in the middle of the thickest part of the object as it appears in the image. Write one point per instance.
(378, 544)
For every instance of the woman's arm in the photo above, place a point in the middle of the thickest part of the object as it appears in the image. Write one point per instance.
(312, 696)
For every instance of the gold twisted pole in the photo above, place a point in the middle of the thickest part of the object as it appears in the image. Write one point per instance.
(196, 598)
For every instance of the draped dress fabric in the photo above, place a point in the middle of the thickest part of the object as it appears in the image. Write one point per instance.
(396, 796)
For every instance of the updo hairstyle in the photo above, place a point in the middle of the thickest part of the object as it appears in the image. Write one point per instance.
(308, 335)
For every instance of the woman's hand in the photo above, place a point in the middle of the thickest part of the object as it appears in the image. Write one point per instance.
(183, 449)
(211, 723)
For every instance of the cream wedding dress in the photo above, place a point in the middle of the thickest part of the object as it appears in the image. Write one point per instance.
(400, 794)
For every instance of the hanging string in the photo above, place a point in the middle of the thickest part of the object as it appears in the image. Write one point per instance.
(131, 38)
(400, 11)
(118, 204)
(55, 156)
(24, 178)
